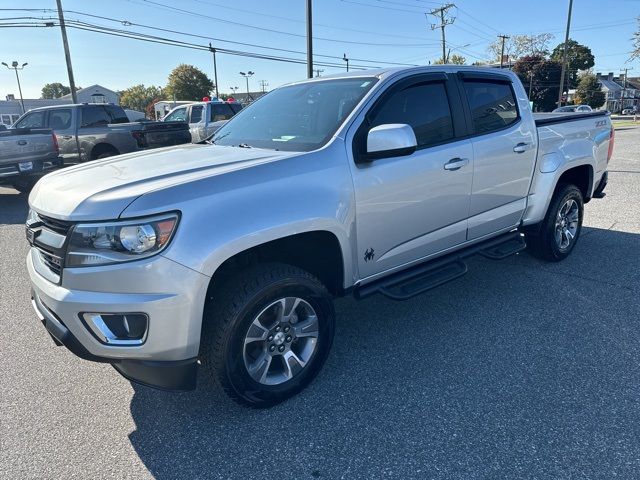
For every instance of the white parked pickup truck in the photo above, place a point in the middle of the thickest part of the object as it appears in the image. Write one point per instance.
(204, 118)
(225, 256)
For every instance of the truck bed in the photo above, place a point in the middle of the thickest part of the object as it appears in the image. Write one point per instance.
(543, 119)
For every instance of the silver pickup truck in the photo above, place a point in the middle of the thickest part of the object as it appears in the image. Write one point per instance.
(25, 155)
(226, 257)
(89, 131)
(204, 118)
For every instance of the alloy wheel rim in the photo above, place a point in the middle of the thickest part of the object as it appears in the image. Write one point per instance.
(280, 341)
(566, 226)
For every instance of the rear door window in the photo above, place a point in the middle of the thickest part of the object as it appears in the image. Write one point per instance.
(423, 106)
(221, 111)
(196, 114)
(117, 114)
(94, 116)
(32, 120)
(492, 104)
(60, 119)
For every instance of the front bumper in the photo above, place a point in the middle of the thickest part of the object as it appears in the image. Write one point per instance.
(168, 357)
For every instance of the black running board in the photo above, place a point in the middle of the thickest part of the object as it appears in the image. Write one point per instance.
(425, 276)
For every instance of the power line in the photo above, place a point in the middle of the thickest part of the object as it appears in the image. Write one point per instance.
(205, 37)
(177, 43)
(271, 30)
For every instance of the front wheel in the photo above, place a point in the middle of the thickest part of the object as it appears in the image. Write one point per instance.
(267, 333)
(559, 231)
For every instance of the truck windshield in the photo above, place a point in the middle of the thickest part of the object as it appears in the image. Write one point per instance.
(296, 118)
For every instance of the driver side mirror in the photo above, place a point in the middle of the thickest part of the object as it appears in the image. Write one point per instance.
(390, 140)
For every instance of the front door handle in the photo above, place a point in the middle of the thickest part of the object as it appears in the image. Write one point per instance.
(456, 163)
(67, 137)
(522, 147)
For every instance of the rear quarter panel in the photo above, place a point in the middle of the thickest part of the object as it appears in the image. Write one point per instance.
(561, 147)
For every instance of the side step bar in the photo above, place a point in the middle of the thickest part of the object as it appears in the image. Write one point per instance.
(420, 278)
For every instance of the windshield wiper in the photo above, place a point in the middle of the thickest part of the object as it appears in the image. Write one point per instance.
(244, 145)
(212, 140)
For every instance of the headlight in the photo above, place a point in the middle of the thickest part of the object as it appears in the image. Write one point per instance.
(114, 242)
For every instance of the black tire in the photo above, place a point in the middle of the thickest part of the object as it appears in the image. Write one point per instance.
(541, 241)
(24, 184)
(108, 153)
(232, 310)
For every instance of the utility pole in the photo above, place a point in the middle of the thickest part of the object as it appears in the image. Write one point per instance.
(344, 57)
(504, 38)
(263, 85)
(14, 66)
(564, 54)
(215, 69)
(309, 40)
(67, 55)
(441, 12)
(318, 72)
(624, 85)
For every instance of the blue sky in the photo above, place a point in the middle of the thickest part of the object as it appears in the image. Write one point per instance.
(369, 30)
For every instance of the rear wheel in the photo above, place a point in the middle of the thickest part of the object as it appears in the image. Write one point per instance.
(558, 233)
(267, 333)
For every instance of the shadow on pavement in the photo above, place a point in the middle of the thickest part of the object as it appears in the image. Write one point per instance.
(14, 206)
(518, 369)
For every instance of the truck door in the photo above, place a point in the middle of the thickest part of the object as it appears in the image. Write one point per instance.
(504, 150)
(63, 123)
(196, 124)
(413, 206)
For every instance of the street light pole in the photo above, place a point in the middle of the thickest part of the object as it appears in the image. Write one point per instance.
(14, 66)
(246, 77)
(344, 57)
(564, 54)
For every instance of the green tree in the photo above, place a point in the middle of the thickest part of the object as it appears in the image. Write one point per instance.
(579, 57)
(187, 82)
(453, 59)
(540, 77)
(55, 90)
(589, 92)
(139, 97)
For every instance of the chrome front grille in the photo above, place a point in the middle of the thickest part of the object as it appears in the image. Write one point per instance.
(58, 226)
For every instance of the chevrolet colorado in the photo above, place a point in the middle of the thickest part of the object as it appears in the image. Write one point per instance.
(225, 257)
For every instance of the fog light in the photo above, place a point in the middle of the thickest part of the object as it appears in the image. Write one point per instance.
(120, 329)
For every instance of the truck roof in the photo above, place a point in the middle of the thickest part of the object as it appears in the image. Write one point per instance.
(67, 105)
(388, 72)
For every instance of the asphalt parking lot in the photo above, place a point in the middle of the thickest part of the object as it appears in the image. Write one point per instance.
(519, 369)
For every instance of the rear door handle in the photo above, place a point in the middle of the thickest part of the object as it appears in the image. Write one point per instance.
(67, 137)
(522, 147)
(456, 163)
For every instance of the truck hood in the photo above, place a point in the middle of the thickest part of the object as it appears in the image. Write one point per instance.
(102, 189)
